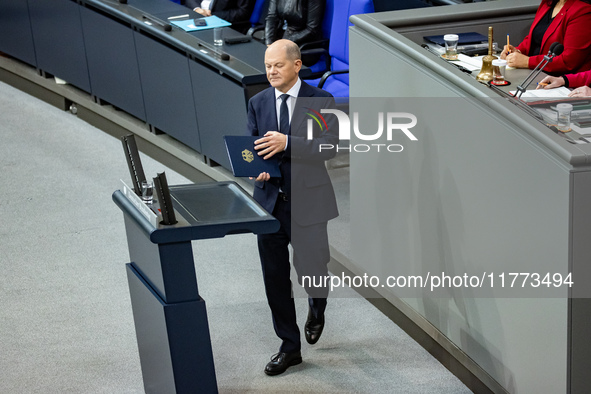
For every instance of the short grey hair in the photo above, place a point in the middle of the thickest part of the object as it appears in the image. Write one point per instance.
(292, 51)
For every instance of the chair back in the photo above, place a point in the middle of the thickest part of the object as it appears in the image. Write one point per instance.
(327, 21)
(320, 65)
(259, 12)
(339, 35)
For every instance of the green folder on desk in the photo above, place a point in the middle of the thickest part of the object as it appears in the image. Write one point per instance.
(212, 22)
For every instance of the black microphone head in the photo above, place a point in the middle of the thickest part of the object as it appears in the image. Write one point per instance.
(552, 47)
(558, 49)
(167, 27)
(224, 56)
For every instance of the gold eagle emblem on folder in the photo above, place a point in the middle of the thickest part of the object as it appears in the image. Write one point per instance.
(247, 155)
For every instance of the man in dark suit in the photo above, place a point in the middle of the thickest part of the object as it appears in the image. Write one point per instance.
(234, 11)
(302, 199)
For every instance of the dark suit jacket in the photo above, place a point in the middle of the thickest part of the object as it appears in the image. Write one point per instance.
(572, 28)
(230, 10)
(305, 179)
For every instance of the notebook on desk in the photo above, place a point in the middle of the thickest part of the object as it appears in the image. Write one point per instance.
(245, 161)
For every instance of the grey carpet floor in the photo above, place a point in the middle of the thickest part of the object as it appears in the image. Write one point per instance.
(65, 317)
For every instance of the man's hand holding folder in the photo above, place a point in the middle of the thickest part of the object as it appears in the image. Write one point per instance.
(252, 156)
(272, 143)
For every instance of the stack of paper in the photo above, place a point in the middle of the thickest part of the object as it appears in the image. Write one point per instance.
(472, 63)
(543, 94)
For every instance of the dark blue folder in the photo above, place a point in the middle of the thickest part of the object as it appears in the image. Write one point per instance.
(245, 160)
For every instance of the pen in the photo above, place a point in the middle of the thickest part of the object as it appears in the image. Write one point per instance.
(178, 16)
(543, 83)
(508, 50)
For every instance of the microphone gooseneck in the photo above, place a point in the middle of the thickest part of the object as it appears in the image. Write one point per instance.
(554, 50)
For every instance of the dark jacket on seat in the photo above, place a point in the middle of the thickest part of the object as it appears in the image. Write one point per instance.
(302, 17)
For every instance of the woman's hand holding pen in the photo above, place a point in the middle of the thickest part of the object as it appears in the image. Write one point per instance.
(517, 59)
(555, 82)
(507, 49)
(514, 56)
(550, 82)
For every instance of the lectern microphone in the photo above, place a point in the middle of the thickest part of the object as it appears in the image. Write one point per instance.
(134, 163)
(164, 199)
(555, 49)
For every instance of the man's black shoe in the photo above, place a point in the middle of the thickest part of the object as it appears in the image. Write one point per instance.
(281, 361)
(313, 328)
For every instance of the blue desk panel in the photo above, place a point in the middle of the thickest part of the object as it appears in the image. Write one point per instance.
(217, 117)
(113, 69)
(57, 33)
(16, 37)
(168, 94)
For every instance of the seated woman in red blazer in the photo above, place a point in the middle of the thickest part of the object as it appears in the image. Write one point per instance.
(565, 21)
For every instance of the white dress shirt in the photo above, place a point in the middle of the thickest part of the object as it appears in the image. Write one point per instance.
(206, 4)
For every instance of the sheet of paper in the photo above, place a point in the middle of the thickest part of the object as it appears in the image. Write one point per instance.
(557, 93)
(472, 63)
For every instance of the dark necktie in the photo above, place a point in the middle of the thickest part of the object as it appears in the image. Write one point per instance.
(284, 115)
